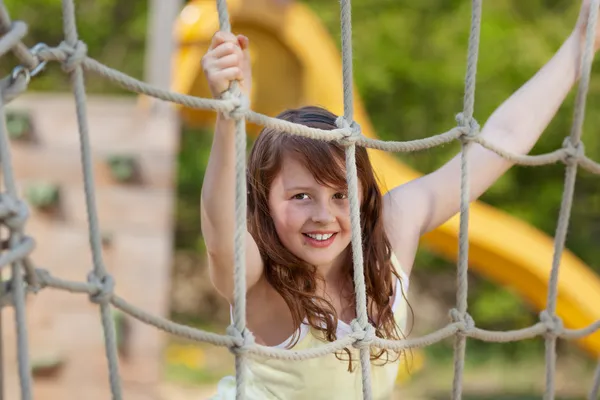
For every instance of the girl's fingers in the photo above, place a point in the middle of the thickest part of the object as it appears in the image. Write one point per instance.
(230, 60)
(243, 42)
(229, 74)
(226, 49)
(221, 37)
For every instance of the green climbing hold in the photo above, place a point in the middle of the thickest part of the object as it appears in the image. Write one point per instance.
(43, 195)
(123, 167)
(19, 125)
(47, 366)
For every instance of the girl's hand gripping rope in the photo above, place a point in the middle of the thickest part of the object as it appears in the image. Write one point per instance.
(227, 60)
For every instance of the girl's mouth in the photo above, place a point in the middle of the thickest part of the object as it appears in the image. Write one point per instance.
(319, 240)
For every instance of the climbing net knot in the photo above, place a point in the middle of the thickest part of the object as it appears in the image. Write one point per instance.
(13, 214)
(74, 55)
(351, 132)
(238, 103)
(242, 341)
(363, 336)
(16, 212)
(469, 127)
(105, 288)
(573, 153)
(43, 278)
(554, 324)
(464, 319)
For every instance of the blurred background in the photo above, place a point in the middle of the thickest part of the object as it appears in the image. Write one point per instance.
(409, 69)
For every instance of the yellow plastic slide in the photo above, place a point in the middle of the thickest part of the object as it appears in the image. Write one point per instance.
(296, 62)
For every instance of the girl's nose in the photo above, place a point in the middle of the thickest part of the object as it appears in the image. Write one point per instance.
(322, 214)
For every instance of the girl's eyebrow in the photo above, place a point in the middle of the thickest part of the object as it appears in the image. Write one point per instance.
(297, 188)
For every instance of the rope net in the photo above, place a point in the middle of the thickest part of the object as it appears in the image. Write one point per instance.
(72, 55)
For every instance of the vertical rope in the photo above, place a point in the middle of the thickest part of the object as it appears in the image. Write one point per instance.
(78, 85)
(352, 179)
(16, 267)
(358, 263)
(567, 197)
(1, 352)
(595, 390)
(463, 255)
(1, 308)
(347, 75)
(239, 271)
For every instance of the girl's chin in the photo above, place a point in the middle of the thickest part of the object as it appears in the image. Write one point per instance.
(325, 258)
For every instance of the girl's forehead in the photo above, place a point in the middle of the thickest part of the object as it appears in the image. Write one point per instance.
(293, 170)
(291, 165)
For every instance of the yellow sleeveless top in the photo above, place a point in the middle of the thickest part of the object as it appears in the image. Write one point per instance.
(322, 378)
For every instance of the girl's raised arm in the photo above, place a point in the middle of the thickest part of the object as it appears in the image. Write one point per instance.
(226, 60)
(422, 205)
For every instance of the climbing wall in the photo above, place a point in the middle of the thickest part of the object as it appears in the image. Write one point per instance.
(134, 164)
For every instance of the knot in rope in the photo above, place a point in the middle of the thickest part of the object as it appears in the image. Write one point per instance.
(43, 277)
(554, 324)
(18, 251)
(75, 55)
(572, 152)
(105, 286)
(351, 132)
(466, 321)
(239, 105)
(469, 127)
(364, 336)
(242, 341)
(18, 212)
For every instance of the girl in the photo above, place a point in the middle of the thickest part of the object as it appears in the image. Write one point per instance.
(298, 255)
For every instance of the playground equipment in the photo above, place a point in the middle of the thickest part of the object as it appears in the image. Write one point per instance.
(296, 62)
(28, 275)
(66, 341)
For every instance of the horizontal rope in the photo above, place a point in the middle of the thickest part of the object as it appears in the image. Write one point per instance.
(228, 106)
(256, 350)
(17, 32)
(72, 54)
(18, 48)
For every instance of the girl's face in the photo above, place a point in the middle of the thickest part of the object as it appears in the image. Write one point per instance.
(311, 220)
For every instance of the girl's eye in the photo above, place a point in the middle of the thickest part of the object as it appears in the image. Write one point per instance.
(300, 196)
(340, 196)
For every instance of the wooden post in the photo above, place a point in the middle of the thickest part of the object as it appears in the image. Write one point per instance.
(160, 45)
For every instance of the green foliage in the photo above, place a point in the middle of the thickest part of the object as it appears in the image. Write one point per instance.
(114, 31)
(193, 157)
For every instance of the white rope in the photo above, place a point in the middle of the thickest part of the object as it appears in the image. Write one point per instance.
(99, 273)
(471, 129)
(72, 54)
(595, 390)
(238, 329)
(22, 247)
(568, 192)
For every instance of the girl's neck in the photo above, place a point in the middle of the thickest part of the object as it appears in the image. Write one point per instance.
(334, 274)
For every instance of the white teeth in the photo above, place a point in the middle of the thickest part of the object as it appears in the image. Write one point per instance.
(319, 236)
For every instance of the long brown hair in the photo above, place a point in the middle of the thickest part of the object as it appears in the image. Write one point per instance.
(292, 277)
